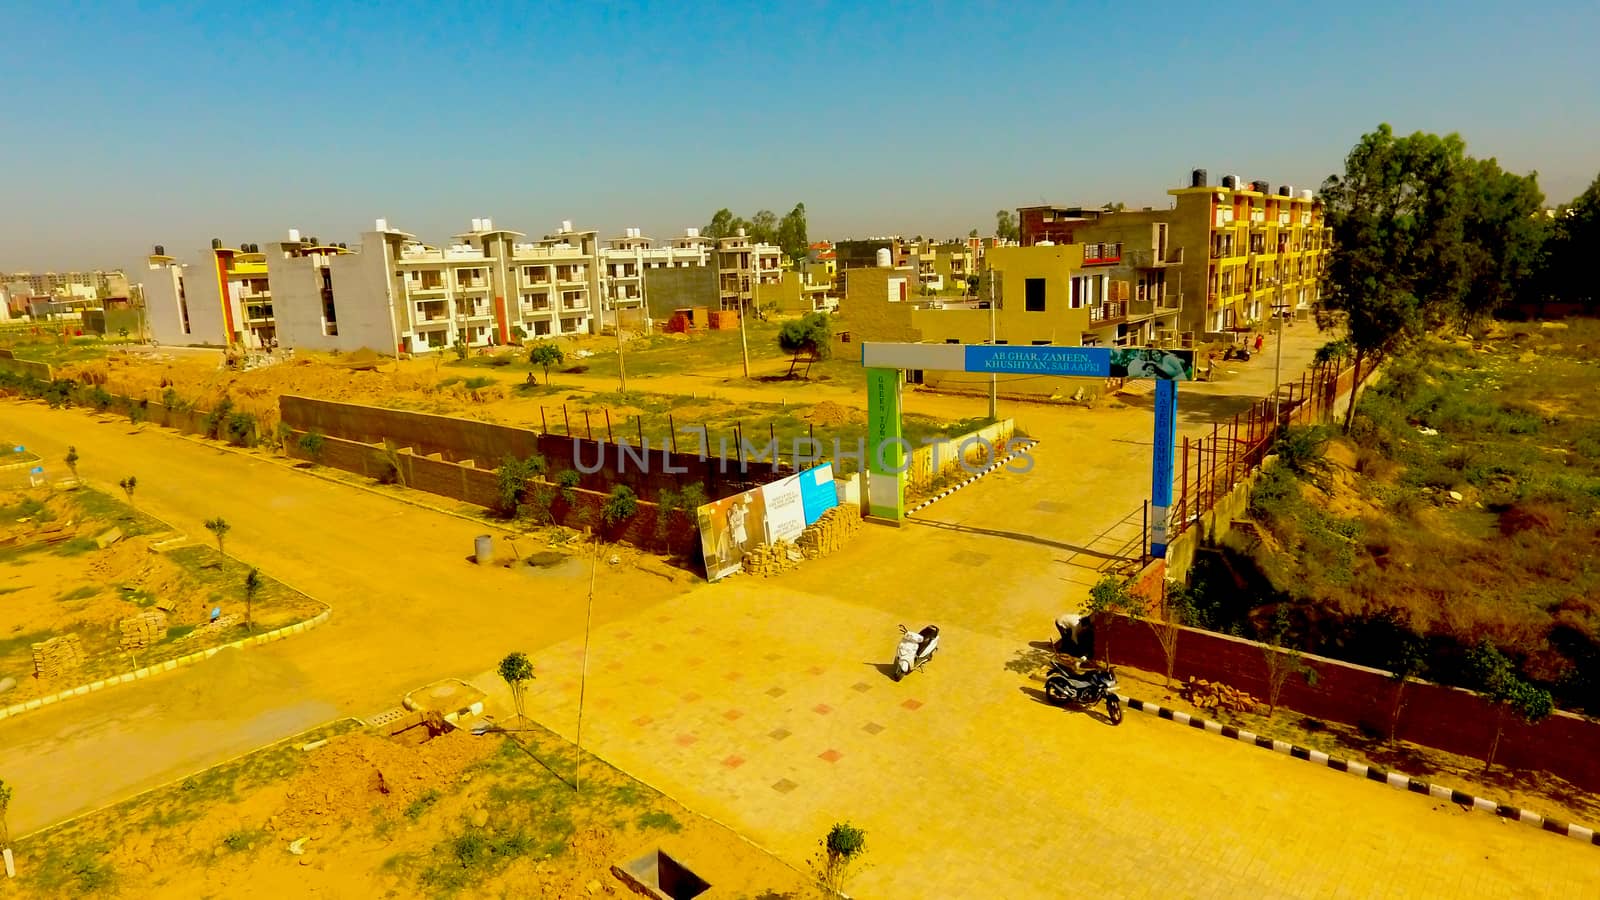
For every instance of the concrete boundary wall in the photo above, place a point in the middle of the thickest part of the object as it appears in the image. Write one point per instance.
(931, 461)
(26, 367)
(278, 634)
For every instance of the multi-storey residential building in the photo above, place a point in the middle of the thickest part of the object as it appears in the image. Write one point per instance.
(222, 299)
(87, 285)
(486, 287)
(742, 264)
(628, 257)
(1252, 249)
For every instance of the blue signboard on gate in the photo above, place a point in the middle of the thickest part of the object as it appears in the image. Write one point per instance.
(1039, 360)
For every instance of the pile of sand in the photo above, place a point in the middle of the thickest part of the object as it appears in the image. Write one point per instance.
(354, 773)
(830, 413)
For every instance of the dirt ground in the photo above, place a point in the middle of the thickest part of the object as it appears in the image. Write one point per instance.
(363, 815)
(55, 580)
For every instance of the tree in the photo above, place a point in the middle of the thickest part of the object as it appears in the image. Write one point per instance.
(252, 587)
(546, 354)
(792, 233)
(1406, 661)
(972, 285)
(72, 461)
(1397, 218)
(722, 225)
(516, 671)
(460, 347)
(1005, 225)
(1503, 233)
(1282, 661)
(1567, 272)
(1117, 206)
(1176, 611)
(763, 227)
(973, 233)
(128, 484)
(811, 334)
(5, 804)
(619, 506)
(511, 483)
(1498, 680)
(1112, 595)
(839, 853)
(219, 527)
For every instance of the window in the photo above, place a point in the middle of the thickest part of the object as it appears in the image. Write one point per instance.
(952, 340)
(1033, 295)
(1041, 343)
(1077, 293)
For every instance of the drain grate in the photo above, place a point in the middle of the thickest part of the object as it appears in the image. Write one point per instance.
(387, 716)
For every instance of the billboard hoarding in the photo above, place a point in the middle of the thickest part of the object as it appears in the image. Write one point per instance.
(1149, 362)
(817, 492)
(784, 512)
(730, 528)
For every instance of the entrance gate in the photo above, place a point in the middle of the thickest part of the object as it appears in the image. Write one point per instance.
(886, 364)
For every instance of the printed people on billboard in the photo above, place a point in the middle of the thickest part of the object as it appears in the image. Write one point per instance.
(1148, 362)
(730, 528)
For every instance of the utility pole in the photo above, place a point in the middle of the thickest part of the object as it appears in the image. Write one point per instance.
(1277, 366)
(583, 679)
(744, 345)
(994, 383)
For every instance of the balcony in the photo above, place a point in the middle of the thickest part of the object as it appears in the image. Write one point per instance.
(1102, 254)
(478, 312)
(1108, 313)
(1147, 258)
(425, 286)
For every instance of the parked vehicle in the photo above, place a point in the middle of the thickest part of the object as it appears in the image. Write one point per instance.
(1065, 687)
(914, 650)
(1241, 353)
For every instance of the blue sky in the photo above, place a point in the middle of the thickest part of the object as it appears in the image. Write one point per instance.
(129, 125)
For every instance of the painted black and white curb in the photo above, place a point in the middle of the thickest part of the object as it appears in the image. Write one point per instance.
(1396, 780)
(1023, 446)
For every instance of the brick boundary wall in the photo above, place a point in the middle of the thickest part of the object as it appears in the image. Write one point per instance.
(1434, 715)
(648, 471)
(1396, 780)
(466, 482)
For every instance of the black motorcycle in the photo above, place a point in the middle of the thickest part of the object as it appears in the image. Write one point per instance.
(1065, 687)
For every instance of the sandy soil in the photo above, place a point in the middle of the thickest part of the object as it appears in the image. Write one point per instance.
(374, 816)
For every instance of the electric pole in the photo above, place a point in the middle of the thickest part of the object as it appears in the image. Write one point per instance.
(744, 345)
(994, 383)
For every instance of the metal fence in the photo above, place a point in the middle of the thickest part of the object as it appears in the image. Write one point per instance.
(1210, 467)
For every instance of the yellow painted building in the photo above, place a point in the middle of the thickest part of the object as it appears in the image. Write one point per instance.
(1250, 248)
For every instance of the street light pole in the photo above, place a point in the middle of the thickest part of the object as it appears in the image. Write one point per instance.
(1277, 366)
(994, 412)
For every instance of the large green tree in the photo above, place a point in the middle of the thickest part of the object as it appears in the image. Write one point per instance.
(1503, 235)
(1568, 262)
(1005, 225)
(792, 233)
(1397, 264)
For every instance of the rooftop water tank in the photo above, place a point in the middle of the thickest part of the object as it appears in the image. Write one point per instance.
(1305, 194)
(1261, 187)
(216, 243)
(1285, 191)
(1231, 182)
(885, 258)
(160, 250)
(382, 224)
(1197, 178)
(566, 226)
(488, 224)
(691, 232)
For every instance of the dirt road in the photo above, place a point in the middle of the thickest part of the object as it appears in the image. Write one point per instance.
(408, 608)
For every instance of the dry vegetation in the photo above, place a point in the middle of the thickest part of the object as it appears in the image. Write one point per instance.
(1464, 506)
(55, 580)
(378, 817)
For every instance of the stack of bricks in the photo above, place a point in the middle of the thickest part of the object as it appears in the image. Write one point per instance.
(831, 531)
(211, 629)
(139, 632)
(57, 656)
(772, 559)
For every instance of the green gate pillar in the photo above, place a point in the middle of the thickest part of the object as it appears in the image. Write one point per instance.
(886, 448)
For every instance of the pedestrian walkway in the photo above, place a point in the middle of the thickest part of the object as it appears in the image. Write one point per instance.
(771, 709)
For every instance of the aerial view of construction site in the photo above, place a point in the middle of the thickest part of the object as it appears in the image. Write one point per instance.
(1235, 539)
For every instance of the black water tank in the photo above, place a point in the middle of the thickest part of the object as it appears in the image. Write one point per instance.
(1197, 178)
(160, 250)
(1231, 182)
(1283, 190)
(216, 243)
(1261, 187)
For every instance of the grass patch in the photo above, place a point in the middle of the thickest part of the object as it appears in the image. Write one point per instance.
(82, 592)
(421, 805)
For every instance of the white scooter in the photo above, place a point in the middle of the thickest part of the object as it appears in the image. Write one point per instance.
(914, 651)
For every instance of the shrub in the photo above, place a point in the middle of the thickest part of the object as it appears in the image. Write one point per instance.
(839, 852)
(568, 480)
(241, 429)
(478, 382)
(214, 422)
(620, 506)
(311, 443)
(511, 483)
(1304, 452)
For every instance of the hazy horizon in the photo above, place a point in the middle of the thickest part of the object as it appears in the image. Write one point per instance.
(133, 127)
